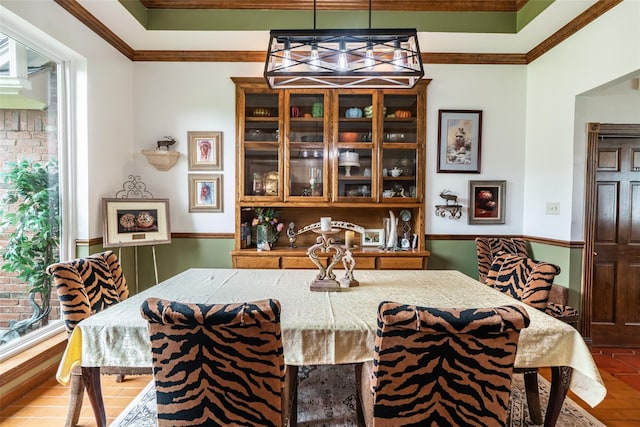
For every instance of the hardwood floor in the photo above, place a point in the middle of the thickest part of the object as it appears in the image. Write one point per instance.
(47, 404)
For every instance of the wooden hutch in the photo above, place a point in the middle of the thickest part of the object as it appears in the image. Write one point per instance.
(312, 153)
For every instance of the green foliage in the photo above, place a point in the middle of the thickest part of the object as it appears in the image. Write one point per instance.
(30, 210)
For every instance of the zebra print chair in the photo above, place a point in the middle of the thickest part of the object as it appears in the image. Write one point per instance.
(217, 364)
(441, 366)
(86, 286)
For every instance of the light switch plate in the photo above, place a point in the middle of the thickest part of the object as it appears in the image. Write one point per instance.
(552, 208)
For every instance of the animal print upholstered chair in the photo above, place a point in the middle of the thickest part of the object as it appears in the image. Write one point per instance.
(528, 281)
(217, 364)
(488, 248)
(86, 286)
(441, 366)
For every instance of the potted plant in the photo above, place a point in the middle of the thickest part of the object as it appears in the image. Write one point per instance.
(30, 212)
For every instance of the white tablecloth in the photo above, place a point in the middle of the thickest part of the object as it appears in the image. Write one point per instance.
(326, 327)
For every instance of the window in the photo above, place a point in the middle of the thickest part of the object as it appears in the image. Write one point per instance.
(31, 127)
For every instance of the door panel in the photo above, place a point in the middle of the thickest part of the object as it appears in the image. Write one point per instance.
(634, 227)
(604, 274)
(607, 212)
(633, 295)
(615, 313)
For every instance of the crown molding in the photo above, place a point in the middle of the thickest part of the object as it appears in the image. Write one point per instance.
(84, 16)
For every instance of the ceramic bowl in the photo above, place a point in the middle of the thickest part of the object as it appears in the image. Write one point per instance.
(349, 136)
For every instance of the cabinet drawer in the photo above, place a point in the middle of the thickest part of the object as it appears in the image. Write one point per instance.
(400, 263)
(365, 263)
(257, 262)
(298, 262)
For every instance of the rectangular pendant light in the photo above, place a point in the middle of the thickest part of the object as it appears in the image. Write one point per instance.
(356, 58)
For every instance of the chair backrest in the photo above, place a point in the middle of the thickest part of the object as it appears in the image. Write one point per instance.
(88, 285)
(523, 278)
(216, 364)
(488, 247)
(444, 366)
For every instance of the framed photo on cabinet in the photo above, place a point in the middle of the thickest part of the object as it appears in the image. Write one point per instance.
(459, 140)
(487, 202)
(135, 222)
(373, 237)
(205, 193)
(205, 151)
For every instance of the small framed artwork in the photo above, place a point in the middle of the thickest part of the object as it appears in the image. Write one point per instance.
(487, 201)
(205, 193)
(205, 151)
(459, 139)
(135, 222)
(373, 237)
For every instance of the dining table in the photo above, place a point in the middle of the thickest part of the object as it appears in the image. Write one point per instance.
(327, 328)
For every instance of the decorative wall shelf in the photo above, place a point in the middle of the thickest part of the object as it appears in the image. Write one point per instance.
(455, 211)
(163, 160)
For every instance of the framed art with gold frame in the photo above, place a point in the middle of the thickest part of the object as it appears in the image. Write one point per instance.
(205, 193)
(205, 151)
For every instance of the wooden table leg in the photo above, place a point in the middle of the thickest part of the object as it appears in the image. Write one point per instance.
(91, 379)
(560, 379)
(291, 396)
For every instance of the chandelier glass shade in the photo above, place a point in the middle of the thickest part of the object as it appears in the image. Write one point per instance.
(358, 58)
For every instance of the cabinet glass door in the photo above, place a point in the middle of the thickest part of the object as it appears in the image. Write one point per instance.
(400, 141)
(260, 150)
(355, 162)
(307, 140)
(399, 174)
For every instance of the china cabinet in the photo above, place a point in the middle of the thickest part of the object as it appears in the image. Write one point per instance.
(355, 155)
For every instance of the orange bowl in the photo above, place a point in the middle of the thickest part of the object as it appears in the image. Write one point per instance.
(348, 136)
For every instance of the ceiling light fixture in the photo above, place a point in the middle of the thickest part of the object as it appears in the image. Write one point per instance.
(358, 58)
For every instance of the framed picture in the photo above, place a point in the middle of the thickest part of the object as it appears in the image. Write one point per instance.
(205, 151)
(135, 222)
(373, 237)
(205, 193)
(486, 202)
(459, 138)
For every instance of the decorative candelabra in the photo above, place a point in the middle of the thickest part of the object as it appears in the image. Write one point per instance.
(325, 280)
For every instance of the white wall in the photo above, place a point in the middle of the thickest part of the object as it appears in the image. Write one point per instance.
(528, 133)
(102, 100)
(173, 99)
(619, 103)
(603, 51)
(497, 90)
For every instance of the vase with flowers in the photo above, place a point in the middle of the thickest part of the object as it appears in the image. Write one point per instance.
(267, 227)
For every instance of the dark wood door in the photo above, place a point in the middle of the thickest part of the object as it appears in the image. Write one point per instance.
(615, 312)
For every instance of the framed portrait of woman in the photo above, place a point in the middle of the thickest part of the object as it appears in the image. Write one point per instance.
(205, 193)
(205, 150)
